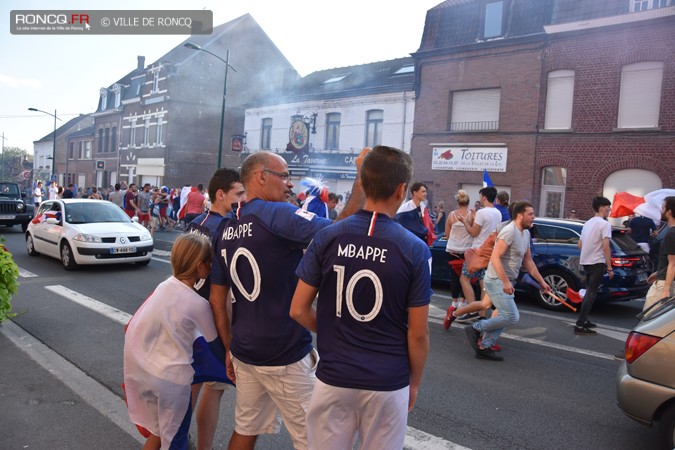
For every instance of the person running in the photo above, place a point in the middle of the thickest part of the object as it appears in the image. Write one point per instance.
(595, 257)
(374, 339)
(170, 343)
(511, 252)
(257, 252)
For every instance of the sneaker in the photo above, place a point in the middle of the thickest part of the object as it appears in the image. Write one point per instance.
(469, 317)
(495, 347)
(449, 317)
(473, 335)
(587, 324)
(584, 330)
(488, 353)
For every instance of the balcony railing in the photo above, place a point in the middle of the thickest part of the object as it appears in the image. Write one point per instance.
(475, 126)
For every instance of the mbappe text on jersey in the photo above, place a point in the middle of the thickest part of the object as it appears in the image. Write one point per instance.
(240, 231)
(363, 252)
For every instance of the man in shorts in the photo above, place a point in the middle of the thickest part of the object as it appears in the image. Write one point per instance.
(257, 251)
(373, 279)
(144, 200)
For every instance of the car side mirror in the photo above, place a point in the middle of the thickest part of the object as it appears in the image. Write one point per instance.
(53, 221)
(134, 219)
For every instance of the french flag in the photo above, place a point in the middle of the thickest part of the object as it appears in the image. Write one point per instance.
(487, 182)
(47, 215)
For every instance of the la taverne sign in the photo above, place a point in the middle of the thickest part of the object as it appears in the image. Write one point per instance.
(471, 159)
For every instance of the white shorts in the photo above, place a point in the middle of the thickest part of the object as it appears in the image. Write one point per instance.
(267, 394)
(336, 415)
(217, 386)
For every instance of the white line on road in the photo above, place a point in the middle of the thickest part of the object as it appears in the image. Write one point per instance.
(415, 439)
(157, 252)
(161, 260)
(103, 309)
(23, 273)
(90, 390)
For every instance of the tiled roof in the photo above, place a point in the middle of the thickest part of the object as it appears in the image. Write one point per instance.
(89, 131)
(64, 128)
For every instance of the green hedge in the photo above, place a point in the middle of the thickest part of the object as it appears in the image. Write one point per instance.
(9, 284)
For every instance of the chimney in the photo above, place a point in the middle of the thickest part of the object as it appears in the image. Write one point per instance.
(141, 62)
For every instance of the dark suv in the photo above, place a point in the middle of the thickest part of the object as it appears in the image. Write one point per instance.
(557, 257)
(14, 209)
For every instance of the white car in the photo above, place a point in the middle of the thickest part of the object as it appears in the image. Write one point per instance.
(83, 231)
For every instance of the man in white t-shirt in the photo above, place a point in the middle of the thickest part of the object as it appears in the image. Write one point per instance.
(53, 190)
(595, 256)
(486, 221)
(37, 195)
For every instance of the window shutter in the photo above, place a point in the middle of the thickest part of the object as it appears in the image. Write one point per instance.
(640, 100)
(559, 99)
(475, 107)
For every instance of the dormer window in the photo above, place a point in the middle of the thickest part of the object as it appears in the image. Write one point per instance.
(104, 98)
(117, 90)
(335, 79)
(493, 20)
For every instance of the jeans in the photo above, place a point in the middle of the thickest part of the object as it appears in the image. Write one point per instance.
(506, 307)
(594, 274)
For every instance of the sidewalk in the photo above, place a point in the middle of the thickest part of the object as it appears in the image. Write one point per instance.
(48, 403)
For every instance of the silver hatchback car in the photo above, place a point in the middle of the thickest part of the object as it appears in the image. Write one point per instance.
(646, 379)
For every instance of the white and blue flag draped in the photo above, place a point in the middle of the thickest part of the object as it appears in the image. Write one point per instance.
(487, 182)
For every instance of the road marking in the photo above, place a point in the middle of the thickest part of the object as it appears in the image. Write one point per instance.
(435, 318)
(23, 273)
(90, 390)
(414, 440)
(157, 252)
(161, 260)
(103, 309)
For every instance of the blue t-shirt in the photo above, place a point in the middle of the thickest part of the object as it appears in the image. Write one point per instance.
(504, 211)
(374, 280)
(256, 254)
(206, 223)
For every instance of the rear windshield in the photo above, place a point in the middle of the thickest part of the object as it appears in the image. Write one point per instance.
(624, 241)
(660, 308)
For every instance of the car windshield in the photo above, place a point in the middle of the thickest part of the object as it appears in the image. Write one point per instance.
(9, 190)
(94, 212)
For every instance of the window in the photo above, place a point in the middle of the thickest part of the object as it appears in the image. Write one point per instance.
(640, 97)
(553, 182)
(155, 81)
(160, 124)
(113, 136)
(80, 152)
(374, 120)
(494, 19)
(71, 150)
(132, 133)
(104, 98)
(405, 69)
(335, 79)
(475, 110)
(106, 141)
(643, 5)
(146, 132)
(559, 100)
(333, 131)
(266, 134)
(100, 140)
(556, 235)
(87, 150)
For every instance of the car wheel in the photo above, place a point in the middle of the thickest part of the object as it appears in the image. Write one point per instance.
(667, 428)
(559, 282)
(30, 247)
(143, 263)
(67, 257)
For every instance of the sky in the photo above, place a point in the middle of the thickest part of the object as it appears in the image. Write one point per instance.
(64, 73)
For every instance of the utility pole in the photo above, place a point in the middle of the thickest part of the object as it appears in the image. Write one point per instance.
(2, 166)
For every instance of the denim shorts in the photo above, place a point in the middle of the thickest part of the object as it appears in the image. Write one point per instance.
(480, 274)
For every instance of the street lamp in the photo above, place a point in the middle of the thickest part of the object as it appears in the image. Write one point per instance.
(53, 139)
(192, 46)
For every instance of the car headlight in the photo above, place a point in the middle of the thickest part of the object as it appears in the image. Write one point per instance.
(20, 207)
(87, 238)
(145, 237)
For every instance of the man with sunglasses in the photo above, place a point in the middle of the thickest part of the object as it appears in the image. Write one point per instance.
(269, 356)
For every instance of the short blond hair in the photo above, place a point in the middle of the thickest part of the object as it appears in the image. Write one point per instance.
(189, 250)
(462, 197)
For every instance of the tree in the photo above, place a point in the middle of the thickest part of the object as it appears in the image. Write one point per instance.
(12, 163)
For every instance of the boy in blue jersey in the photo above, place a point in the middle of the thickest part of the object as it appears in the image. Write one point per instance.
(257, 252)
(373, 278)
(225, 189)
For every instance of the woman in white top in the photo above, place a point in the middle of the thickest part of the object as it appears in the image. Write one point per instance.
(459, 240)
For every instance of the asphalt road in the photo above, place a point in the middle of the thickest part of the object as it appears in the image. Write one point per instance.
(554, 390)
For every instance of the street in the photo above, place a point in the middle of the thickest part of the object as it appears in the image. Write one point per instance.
(554, 390)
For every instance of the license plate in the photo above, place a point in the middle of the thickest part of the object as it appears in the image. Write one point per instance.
(7, 217)
(118, 250)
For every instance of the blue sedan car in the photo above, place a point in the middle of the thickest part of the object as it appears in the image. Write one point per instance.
(557, 258)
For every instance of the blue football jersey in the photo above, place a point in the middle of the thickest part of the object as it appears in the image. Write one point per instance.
(207, 224)
(256, 254)
(369, 270)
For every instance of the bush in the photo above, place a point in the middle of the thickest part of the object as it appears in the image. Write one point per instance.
(9, 274)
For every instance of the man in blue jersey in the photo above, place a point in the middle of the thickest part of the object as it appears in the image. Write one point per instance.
(257, 252)
(225, 189)
(373, 278)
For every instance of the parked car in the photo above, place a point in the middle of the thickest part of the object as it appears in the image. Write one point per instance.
(557, 257)
(82, 231)
(645, 381)
(15, 209)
